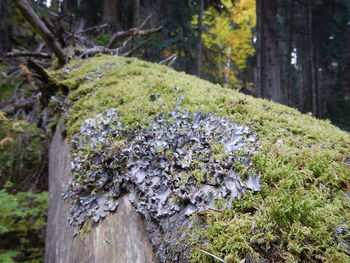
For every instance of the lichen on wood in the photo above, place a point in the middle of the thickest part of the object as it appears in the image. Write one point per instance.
(303, 206)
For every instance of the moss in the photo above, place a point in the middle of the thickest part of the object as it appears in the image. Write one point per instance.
(301, 160)
(85, 230)
(199, 176)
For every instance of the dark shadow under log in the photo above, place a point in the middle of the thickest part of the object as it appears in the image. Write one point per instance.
(121, 237)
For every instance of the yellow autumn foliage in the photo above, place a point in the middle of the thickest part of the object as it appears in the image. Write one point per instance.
(231, 33)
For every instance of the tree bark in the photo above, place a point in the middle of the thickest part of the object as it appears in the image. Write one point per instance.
(310, 100)
(199, 40)
(120, 238)
(290, 66)
(110, 14)
(268, 65)
(313, 62)
(40, 27)
(257, 70)
(136, 15)
(5, 28)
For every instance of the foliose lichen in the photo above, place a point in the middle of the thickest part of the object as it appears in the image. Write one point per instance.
(178, 164)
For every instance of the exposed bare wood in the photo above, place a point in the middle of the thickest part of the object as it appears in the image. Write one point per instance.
(28, 54)
(169, 61)
(40, 27)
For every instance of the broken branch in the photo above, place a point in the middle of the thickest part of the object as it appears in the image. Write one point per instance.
(169, 61)
(46, 83)
(27, 54)
(129, 52)
(40, 27)
(131, 33)
(209, 254)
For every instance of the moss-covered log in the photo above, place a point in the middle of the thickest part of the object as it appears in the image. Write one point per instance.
(211, 172)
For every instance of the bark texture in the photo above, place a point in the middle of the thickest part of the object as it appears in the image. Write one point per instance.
(268, 64)
(110, 14)
(5, 29)
(120, 238)
(199, 40)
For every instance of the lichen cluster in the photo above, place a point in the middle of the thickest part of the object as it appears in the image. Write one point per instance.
(177, 165)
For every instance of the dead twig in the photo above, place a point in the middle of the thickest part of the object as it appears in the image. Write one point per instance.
(209, 254)
(27, 54)
(169, 61)
(141, 33)
(41, 28)
(132, 33)
(132, 50)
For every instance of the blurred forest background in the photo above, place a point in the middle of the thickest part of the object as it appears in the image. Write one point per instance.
(296, 52)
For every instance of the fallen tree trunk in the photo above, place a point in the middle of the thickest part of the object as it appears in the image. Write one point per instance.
(120, 238)
(160, 166)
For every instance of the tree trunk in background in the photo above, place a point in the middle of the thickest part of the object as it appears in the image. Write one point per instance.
(68, 6)
(313, 62)
(5, 29)
(199, 40)
(306, 90)
(310, 99)
(268, 80)
(110, 14)
(136, 15)
(257, 71)
(290, 66)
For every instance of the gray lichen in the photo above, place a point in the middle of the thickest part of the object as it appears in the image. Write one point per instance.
(179, 164)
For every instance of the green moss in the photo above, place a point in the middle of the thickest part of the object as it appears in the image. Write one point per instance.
(199, 176)
(85, 230)
(301, 160)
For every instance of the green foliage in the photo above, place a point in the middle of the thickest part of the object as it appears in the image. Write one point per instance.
(22, 214)
(8, 257)
(22, 226)
(229, 35)
(12, 87)
(21, 150)
(103, 39)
